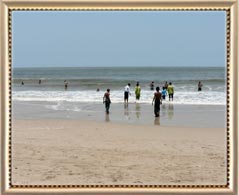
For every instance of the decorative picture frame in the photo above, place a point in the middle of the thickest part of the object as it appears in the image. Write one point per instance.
(230, 6)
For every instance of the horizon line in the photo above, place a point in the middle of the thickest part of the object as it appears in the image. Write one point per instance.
(119, 66)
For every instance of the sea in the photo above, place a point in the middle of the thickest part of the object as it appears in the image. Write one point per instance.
(83, 83)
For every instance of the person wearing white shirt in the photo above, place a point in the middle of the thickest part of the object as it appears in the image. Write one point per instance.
(126, 93)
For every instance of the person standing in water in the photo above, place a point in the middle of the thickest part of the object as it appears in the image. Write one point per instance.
(152, 85)
(39, 82)
(137, 91)
(66, 84)
(164, 93)
(170, 91)
(107, 101)
(157, 100)
(200, 86)
(166, 85)
(126, 93)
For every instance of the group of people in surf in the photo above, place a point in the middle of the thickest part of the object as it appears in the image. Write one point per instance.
(158, 97)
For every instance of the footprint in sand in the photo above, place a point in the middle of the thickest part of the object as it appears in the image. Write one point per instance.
(50, 177)
(42, 158)
(138, 182)
(70, 173)
(114, 180)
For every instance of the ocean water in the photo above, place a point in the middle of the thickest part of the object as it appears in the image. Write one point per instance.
(83, 82)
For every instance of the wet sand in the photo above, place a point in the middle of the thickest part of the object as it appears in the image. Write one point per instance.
(203, 116)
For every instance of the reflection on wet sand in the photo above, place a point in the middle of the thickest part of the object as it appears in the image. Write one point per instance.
(163, 110)
(157, 121)
(137, 110)
(134, 113)
(126, 112)
(170, 111)
(107, 117)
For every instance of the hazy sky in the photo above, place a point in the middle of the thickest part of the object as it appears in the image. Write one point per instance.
(122, 38)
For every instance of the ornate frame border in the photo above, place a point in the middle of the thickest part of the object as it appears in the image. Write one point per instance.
(231, 9)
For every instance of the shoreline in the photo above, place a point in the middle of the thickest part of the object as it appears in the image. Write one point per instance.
(203, 116)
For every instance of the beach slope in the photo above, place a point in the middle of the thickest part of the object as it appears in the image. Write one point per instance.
(51, 151)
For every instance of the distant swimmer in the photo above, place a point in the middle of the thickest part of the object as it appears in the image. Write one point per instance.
(152, 85)
(66, 84)
(126, 93)
(39, 82)
(107, 101)
(22, 83)
(200, 86)
(97, 89)
(137, 91)
(170, 91)
(157, 100)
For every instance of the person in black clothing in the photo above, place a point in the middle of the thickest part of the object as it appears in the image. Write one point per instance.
(199, 86)
(106, 101)
(157, 100)
(152, 85)
(66, 84)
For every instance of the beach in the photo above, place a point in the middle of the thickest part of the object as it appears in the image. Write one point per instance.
(83, 148)
(64, 136)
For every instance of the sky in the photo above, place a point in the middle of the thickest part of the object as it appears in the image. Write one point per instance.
(118, 38)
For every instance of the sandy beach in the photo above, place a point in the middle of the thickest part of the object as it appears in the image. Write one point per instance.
(79, 150)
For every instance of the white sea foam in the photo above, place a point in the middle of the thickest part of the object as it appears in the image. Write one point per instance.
(180, 97)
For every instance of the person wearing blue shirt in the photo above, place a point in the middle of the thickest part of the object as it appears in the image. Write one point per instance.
(164, 93)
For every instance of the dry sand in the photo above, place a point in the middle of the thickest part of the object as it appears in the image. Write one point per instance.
(53, 151)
